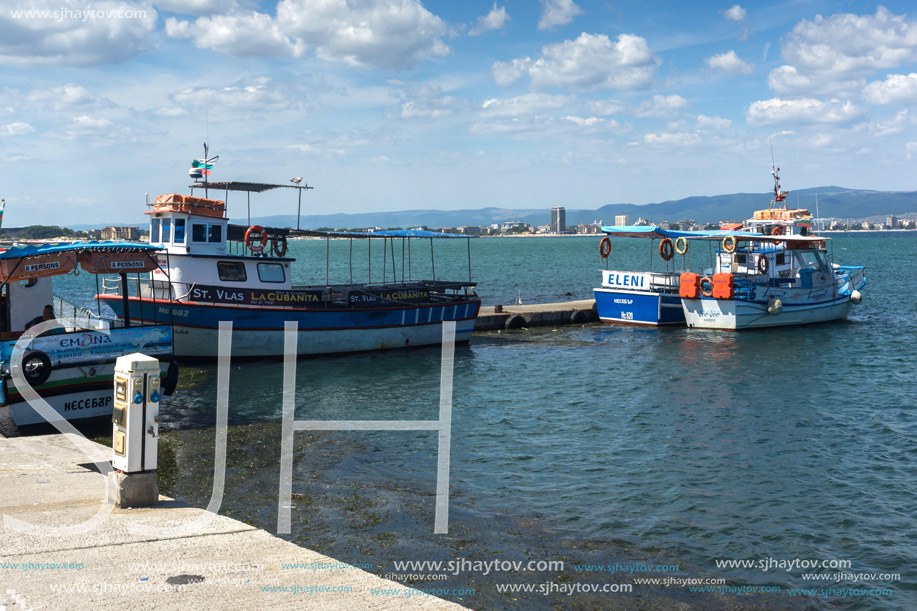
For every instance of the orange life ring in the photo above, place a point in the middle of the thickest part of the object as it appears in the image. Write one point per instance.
(763, 264)
(778, 230)
(666, 249)
(279, 246)
(248, 238)
(708, 292)
(605, 247)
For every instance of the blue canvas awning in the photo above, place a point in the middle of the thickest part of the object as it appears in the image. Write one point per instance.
(711, 234)
(78, 247)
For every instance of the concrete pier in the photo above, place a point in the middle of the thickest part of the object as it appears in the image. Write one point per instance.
(536, 315)
(46, 481)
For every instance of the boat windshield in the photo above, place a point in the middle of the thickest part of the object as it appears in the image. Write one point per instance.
(811, 259)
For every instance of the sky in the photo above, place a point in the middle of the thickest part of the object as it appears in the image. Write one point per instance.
(400, 104)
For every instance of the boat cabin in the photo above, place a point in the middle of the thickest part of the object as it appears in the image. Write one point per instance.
(197, 239)
(802, 263)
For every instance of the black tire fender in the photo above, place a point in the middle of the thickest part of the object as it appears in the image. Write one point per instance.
(171, 379)
(36, 367)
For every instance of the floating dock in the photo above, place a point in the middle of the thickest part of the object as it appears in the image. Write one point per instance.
(47, 482)
(493, 318)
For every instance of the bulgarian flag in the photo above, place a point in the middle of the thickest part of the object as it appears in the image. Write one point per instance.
(204, 166)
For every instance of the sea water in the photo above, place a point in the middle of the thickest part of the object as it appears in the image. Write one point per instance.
(620, 453)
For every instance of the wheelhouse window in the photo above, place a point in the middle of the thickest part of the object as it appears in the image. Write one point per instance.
(198, 232)
(214, 233)
(166, 229)
(232, 271)
(271, 272)
(179, 231)
(808, 259)
(154, 231)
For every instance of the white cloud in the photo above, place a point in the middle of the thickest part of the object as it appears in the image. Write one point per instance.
(389, 34)
(169, 112)
(432, 109)
(66, 96)
(70, 36)
(787, 80)
(837, 53)
(261, 95)
(90, 123)
(16, 128)
(729, 63)
(494, 20)
(506, 73)
(606, 107)
(557, 12)
(430, 103)
(735, 13)
(662, 106)
(590, 62)
(717, 123)
(523, 105)
(895, 89)
(777, 111)
(315, 151)
(911, 149)
(242, 35)
(592, 122)
(890, 127)
(673, 139)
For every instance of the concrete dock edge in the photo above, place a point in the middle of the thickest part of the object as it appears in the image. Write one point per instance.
(46, 481)
(536, 315)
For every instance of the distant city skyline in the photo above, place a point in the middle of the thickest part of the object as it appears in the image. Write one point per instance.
(400, 104)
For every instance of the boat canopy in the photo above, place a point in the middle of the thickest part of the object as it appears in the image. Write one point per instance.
(713, 234)
(40, 261)
(389, 233)
(19, 252)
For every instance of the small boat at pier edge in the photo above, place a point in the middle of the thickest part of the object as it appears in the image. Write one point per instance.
(639, 298)
(214, 271)
(66, 353)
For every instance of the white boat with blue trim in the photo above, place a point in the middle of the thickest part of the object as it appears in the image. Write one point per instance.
(761, 281)
(213, 271)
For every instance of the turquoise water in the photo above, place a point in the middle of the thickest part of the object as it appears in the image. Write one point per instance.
(598, 444)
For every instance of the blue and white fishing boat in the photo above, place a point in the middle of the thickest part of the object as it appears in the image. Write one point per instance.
(63, 352)
(640, 298)
(213, 271)
(759, 281)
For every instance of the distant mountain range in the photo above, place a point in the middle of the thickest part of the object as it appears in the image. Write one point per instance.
(833, 202)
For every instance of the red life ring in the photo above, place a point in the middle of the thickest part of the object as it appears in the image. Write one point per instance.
(708, 292)
(605, 247)
(248, 238)
(666, 249)
(279, 246)
(763, 264)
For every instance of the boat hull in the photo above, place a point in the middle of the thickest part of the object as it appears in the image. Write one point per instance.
(736, 315)
(638, 307)
(73, 392)
(259, 332)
